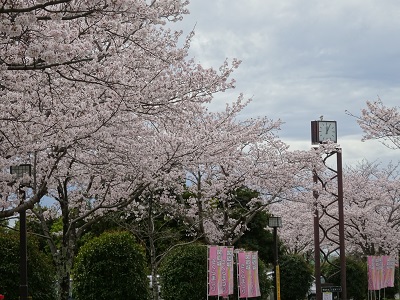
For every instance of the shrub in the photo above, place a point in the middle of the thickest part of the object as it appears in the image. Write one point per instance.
(356, 276)
(184, 273)
(296, 277)
(41, 273)
(111, 266)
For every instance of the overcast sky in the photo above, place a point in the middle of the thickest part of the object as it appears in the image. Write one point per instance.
(303, 59)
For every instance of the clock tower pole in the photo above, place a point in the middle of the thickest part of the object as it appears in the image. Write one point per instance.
(323, 132)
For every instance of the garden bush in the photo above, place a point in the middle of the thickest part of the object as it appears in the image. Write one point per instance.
(111, 266)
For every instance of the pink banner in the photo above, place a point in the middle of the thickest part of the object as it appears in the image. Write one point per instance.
(389, 264)
(255, 282)
(243, 274)
(371, 273)
(214, 270)
(224, 287)
(375, 273)
(229, 265)
(220, 271)
(248, 275)
(380, 272)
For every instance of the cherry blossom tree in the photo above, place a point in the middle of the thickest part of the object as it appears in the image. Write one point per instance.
(210, 156)
(299, 210)
(380, 122)
(372, 208)
(79, 34)
(70, 68)
(296, 232)
(82, 82)
(226, 155)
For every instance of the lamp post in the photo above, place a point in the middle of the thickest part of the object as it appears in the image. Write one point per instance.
(20, 171)
(275, 222)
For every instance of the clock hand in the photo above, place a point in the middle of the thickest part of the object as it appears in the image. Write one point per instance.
(327, 128)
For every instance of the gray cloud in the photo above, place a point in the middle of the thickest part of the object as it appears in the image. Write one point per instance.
(302, 59)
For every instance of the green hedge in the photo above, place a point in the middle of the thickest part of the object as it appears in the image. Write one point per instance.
(111, 266)
(296, 277)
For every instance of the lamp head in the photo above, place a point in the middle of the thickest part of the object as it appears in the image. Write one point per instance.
(274, 222)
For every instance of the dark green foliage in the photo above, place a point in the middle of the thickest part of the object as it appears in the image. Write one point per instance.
(34, 226)
(41, 274)
(184, 274)
(390, 292)
(265, 282)
(3, 225)
(356, 276)
(100, 226)
(257, 238)
(296, 277)
(111, 266)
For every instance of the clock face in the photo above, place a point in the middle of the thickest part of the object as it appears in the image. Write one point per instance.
(327, 131)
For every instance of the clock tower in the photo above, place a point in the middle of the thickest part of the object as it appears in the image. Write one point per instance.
(323, 131)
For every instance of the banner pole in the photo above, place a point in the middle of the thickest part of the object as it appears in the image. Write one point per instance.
(367, 284)
(219, 271)
(237, 275)
(208, 269)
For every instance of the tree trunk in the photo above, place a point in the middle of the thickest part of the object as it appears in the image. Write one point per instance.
(64, 287)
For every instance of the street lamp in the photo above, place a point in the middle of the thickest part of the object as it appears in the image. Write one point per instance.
(20, 171)
(275, 222)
